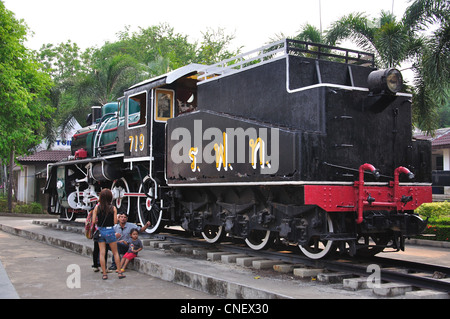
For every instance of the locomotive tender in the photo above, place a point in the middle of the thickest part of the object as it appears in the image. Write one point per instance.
(297, 142)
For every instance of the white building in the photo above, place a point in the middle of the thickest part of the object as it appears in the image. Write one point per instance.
(440, 162)
(31, 177)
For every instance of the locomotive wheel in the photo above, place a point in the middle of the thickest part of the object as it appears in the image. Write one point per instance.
(149, 208)
(64, 213)
(122, 203)
(213, 234)
(317, 248)
(258, 239)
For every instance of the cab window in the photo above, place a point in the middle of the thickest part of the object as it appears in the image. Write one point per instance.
(164, 104)
(137, 109)
(121, 106)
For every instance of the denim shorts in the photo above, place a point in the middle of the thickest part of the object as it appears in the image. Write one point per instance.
(107, 235)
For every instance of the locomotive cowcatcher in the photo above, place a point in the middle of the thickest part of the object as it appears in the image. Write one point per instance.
(295, 142)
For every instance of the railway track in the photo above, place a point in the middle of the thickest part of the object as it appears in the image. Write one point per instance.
(419, 275)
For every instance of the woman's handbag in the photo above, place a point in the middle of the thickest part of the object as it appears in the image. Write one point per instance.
(89, 226)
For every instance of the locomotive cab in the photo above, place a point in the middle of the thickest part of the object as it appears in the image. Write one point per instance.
(146, 107)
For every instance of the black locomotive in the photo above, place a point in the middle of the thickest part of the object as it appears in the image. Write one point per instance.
(294, 142)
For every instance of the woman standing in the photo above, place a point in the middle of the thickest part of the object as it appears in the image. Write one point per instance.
(106, 215)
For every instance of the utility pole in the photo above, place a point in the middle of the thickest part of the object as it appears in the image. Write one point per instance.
(320, 15)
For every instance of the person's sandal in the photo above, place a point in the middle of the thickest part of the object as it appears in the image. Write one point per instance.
(104, 277)
(121, 276)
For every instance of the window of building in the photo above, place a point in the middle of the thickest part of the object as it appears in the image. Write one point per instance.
(440, 163)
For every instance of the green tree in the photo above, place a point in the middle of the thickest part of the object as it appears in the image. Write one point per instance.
(100, 75)
(394, 42)
(23, 93)
(157, 44)
(307, 33)
(83, 79)
(64, 63)
(432, 61)
(310, 33)
(214, 47)
(161, 49)
(384, 36)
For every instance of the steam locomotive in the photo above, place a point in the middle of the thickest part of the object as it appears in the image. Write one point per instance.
(295, 142)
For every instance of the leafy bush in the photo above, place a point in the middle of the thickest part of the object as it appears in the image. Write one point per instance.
(439, 232)
(3, 204)
(33, 208)
(434, 210)
(438, 215)
(36, 208)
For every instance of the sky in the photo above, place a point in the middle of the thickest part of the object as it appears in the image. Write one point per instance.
(92, 22)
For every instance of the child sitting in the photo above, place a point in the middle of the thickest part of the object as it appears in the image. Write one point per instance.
(134, 246)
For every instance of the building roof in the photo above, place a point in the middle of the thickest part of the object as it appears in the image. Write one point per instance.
(441, 139)
(45, 156)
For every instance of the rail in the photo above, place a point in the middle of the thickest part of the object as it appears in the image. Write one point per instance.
(281, 49)
(390, 269)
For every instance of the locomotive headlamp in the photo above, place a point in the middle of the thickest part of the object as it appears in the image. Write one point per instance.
(388, 81)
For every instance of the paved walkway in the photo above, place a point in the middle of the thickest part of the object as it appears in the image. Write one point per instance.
(214, 278)
(36, 270)
(7, 290)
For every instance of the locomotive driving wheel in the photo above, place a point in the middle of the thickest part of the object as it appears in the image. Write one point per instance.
(122, 202)
(258, 239)
(63, 212)
(317, 248)
(149, 208)
(213, 234)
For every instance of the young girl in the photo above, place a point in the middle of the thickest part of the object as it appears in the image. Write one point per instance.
(107, 218)
(134, 246)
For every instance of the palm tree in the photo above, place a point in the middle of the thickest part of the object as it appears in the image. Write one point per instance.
(432, 62)
(311, 34)
(110, 74)
(384, 36)
(395, 42)
(307, 33)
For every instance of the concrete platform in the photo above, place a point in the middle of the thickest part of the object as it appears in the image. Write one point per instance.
(38, 271)
(212, 277)
(207, 274)
(426, 294)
